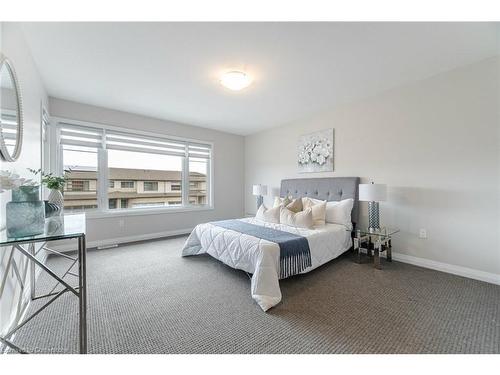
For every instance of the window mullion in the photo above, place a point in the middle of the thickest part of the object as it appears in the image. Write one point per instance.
(185, 178)
(57, 161)
(102, 173)
(209, 183)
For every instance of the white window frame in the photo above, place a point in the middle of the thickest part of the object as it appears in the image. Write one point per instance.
(103, 210)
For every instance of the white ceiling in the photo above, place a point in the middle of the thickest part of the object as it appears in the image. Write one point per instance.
(170, 70)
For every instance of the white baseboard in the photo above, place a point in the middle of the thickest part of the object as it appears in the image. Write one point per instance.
(448, 268)
(123, 240)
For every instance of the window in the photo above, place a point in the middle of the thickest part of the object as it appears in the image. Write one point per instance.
(127, 184)
(198, 181)
(148, 175)
(150, 186)
(78, 185)
(82, 207)
(80, 191)
(111, 169)
(112, 204)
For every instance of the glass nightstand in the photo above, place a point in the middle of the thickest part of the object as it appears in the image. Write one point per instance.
(377, 241)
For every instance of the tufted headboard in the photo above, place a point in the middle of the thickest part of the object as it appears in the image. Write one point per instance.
(326, 188)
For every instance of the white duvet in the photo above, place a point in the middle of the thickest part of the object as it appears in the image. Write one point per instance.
(261, 257)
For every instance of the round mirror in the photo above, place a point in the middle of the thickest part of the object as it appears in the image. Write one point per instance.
(11, 115)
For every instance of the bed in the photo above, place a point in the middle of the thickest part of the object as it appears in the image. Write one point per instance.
(261, 257)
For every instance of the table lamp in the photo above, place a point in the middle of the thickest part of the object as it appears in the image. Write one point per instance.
(373, 193)
(259, 191)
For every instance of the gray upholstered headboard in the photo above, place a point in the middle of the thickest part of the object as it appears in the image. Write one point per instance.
(326, 188)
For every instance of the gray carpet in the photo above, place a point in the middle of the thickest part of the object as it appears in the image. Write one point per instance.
(145, 298)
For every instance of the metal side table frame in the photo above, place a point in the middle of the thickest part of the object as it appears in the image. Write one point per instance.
(378, 241)
(71, 227)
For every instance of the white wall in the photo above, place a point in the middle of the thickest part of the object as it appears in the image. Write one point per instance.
(435, 143)
(228, 159)
(13, 45)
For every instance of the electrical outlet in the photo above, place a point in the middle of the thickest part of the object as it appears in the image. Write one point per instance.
(423, 233)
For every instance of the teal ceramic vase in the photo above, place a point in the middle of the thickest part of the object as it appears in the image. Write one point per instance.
(25, 213)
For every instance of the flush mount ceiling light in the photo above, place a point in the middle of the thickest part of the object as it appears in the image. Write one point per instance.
(235, 80)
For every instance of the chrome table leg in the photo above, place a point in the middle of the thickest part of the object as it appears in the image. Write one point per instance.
(357, 245)
(31, 249)
(389, 250)
(82, 293)
(376, 252)
(12, 346)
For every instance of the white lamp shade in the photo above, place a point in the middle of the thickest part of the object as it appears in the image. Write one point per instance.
(259, 189)
(372, 192)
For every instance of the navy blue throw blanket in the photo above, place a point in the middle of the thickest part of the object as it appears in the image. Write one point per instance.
(295, 255)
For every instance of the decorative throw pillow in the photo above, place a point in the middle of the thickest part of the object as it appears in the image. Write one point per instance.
(295, 206)
(339, 212)
(302, 219)
(318, 209)
(271, 215)
(281, 201)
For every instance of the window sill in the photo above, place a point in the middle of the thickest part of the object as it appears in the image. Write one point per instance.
(140, 212)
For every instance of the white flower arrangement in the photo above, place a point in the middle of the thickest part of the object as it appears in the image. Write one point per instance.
(12, 181)
(316, 151)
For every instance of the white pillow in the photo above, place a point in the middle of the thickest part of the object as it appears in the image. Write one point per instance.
(271, 215)
(318, 209)
(338, 212)
(302, 219)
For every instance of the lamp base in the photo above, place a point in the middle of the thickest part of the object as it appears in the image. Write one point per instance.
(373, 216)
(260, 201)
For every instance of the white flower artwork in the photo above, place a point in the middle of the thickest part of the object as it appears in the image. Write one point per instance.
(315, 152)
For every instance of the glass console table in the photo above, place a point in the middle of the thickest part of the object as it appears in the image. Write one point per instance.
(56, 228)
(377, 241)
